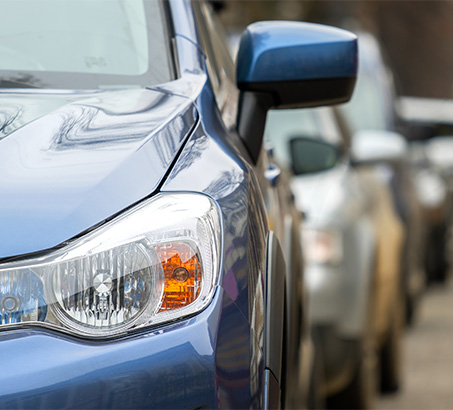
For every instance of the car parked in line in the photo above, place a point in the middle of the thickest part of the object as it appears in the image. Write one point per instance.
(439, 153)
(428, 124)
(352, 238)
(145, 260)
(432, 191)
(372, 110)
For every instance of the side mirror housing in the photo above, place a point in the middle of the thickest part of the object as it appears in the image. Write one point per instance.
(371, 146)
(309, 156)
(291, 65)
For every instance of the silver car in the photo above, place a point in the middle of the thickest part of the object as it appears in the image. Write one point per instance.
(353, 239)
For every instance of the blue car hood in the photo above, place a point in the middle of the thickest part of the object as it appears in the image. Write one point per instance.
(69, 161)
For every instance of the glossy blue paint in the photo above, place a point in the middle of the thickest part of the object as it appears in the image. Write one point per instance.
(279, 51)
(191, 67)
(182, 25)
(207, 361)
(171, 367)
(227, 183)
(211, 163)
(70, 161)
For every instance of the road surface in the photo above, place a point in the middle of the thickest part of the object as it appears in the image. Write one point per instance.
(428, 382)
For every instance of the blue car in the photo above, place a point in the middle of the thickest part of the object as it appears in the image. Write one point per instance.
(148, 258)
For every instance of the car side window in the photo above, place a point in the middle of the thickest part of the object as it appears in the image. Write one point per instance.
(219, 63)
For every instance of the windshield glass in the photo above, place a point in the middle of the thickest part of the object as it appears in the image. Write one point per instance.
(365, 110)
(83, 44)
(283, 125)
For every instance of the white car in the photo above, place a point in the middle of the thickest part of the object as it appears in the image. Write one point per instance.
(352, 239)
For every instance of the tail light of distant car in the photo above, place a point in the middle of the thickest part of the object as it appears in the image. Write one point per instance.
(322, 246)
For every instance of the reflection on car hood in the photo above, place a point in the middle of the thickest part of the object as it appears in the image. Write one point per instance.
(68, 161)
(320, 196)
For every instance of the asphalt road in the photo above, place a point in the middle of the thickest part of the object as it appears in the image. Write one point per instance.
(428, 358)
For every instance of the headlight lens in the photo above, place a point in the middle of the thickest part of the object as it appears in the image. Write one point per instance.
(322, 246)
(157, 262)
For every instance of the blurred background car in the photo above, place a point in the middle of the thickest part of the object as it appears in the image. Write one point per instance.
(372, 109)
(352, 238)
(426, 118)
(428, 125)
(415, 36)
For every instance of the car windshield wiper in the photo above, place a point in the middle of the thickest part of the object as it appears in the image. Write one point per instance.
(19, 83)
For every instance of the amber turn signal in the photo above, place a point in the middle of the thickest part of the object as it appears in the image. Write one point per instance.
(182, 275)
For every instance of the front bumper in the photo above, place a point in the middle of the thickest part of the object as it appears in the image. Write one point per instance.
(176, 366)
(338, 297)
(339, 356)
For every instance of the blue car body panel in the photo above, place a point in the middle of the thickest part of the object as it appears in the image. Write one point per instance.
(74, 160)
(176, 366)
(212, 360)
(69, 161)
(296, 43)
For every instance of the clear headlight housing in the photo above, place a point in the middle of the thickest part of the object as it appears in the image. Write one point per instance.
(157, 262)
(322, 246)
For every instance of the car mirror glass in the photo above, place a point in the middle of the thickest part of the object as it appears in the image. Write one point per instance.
(310, 155)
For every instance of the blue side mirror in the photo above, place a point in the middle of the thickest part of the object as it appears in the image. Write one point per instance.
(283, 64)
(301, 63)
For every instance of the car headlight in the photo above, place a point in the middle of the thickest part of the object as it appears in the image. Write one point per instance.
(322, 246)
(157, 262)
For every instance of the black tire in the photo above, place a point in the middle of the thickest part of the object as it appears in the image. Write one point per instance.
(391, 352)
(411, 311)
(437, 263)
(316, 399)
(412, 307)
(360, 393)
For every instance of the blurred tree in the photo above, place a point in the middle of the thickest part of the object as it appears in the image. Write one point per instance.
(417, 36)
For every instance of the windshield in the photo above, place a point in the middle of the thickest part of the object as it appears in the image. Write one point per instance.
(366, 109)
(83, 44)
(282, 126)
